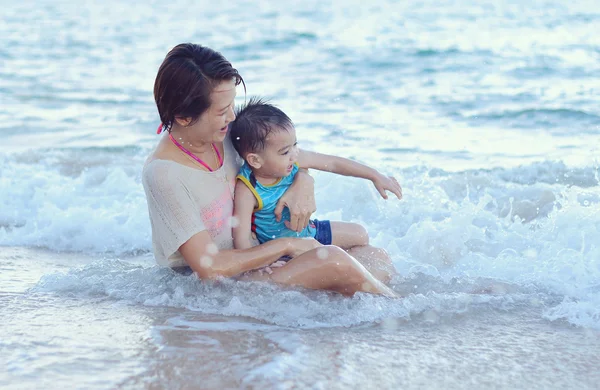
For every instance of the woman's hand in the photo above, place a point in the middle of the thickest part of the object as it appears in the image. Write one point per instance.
(298, 246)
(387, 183)
(300, 200)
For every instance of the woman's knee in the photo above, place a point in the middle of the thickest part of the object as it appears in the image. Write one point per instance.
(332, 255)
(339, 261)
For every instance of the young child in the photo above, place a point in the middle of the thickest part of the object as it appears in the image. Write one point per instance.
(265, 137)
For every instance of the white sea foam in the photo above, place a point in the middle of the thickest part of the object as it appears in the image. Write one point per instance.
(99, 209)
(265, 302)
(515, 225)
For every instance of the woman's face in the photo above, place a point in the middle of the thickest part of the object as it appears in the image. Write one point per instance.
(213, 123)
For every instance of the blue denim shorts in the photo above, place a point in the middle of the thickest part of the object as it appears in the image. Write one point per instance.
(323, 234)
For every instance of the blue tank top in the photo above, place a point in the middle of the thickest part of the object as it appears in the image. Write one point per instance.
(264, 223)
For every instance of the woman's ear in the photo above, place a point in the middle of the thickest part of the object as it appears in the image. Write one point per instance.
(184, 122)
(254, 160)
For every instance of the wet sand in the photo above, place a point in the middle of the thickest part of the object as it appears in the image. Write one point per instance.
(56, 340)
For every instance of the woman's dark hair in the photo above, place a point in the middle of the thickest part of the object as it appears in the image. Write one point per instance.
(253, 123)
(186, 79)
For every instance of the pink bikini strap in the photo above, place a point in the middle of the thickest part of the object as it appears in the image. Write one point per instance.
(218, 154)
(199, 161)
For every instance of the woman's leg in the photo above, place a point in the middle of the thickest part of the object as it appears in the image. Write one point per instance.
(325, 268)
(355, 239)
(375, 260)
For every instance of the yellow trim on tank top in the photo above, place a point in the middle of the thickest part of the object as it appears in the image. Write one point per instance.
(253, 190)
(274, 184)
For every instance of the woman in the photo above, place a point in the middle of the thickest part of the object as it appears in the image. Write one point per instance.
(189, 183)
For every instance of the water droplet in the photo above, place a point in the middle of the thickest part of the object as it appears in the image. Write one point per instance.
(212, 248)
(322, 253)
(234, 222)
(206, 261)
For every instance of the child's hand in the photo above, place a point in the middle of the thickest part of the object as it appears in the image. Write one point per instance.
(387, 183)
(300, 200)
(278, 263)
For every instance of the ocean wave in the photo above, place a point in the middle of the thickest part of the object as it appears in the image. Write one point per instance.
(94, 202)
(530, 226)
(76, 205)
(436, 52)
(425, 299)
(533, 112)
(294, 308)
(580, 312)
(258, 49)
(569, 119)
(549, 172)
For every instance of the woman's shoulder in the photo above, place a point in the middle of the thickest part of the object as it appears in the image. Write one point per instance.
(159, 171)
(158, 166)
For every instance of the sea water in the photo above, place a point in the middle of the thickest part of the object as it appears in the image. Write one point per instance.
(487, 112)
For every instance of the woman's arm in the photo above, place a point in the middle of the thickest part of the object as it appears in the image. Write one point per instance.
(346, 167)
(203, 256)
(300, 200)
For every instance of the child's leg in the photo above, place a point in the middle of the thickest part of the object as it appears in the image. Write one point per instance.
(347, 235)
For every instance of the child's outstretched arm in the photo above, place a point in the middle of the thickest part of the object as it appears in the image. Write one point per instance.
(243, 206)
(346, 167)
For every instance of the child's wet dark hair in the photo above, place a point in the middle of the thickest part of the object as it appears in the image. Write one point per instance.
(253, 123)
(186, 79)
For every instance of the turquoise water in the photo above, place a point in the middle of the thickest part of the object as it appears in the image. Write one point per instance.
(486, 112)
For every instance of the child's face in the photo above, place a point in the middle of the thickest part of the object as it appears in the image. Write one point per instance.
(280, 153)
